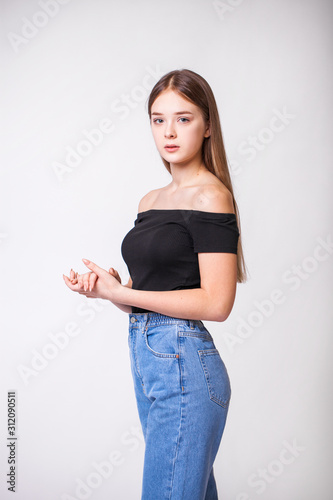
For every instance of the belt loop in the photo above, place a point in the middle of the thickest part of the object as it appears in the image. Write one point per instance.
(146, 327)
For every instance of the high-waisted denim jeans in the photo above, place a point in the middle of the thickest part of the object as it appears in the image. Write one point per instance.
(182, 391)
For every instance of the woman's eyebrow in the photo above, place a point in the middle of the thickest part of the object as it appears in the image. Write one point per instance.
(178, 113)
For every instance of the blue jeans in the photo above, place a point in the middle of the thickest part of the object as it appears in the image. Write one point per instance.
(182, 391)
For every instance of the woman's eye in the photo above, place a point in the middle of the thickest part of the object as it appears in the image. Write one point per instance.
(182, 119)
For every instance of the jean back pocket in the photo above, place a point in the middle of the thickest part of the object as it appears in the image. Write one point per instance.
(216, 376)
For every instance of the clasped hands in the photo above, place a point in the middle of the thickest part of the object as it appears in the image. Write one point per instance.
(97, 284)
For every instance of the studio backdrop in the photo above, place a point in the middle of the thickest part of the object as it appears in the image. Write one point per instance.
(77, 157)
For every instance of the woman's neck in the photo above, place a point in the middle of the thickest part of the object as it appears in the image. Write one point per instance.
(185, 176)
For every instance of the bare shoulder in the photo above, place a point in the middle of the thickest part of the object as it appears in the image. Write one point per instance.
(214, 198)
(148, 200)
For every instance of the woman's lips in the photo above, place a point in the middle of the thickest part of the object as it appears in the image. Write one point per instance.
(171, 148)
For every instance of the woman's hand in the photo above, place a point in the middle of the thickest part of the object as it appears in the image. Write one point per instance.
(96, 284)
(87, 281)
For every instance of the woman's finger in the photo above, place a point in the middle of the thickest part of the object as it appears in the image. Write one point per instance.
(74, 277)
(115, 274)
(92, 281)
(72, 286)
(85, 281)
(80, 280)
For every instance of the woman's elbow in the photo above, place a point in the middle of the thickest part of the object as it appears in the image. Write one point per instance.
(222, 313)
(216, 314)
(220, 316)
(219, 310)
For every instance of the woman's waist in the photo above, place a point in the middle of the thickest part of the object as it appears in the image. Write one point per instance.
(155, 319)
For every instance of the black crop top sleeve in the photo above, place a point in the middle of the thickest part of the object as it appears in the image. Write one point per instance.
(214, 232)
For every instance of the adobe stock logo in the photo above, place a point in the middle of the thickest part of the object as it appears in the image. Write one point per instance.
(295, 277)
(31, 28)
(258, 142)
(226, 7)
(263, 477)
(131, 440)
(59, 341)
(121, 107)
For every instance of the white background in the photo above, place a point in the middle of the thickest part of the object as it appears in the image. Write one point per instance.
(262, 58)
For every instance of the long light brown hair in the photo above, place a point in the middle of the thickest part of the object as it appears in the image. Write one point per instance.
(194, 88)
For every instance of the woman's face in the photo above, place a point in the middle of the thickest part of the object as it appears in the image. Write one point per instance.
(176, 121)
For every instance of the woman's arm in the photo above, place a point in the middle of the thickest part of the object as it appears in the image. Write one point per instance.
(123, 307)
(213, 301)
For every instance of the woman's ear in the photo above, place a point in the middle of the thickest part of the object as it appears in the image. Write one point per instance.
(207, 132)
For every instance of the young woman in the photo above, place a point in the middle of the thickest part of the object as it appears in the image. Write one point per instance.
(184, 257)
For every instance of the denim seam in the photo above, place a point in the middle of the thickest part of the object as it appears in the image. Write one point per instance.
(181, 406)
(136, 365)
(202, 335)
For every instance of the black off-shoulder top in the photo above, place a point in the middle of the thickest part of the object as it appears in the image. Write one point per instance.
(160, 251)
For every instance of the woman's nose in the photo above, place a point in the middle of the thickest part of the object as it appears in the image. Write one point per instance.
(169, 131)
